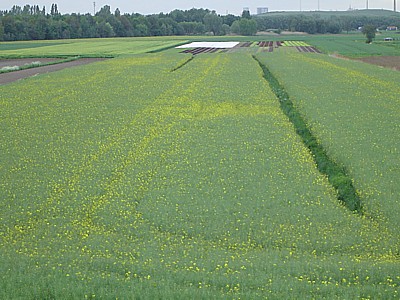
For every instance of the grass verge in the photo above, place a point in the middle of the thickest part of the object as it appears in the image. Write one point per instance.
(38, 64)
(336, 174)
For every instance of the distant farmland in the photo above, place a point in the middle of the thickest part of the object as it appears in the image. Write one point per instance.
(162, 174)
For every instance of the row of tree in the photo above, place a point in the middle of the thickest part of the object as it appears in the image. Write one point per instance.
(318, 23)
(35, 23)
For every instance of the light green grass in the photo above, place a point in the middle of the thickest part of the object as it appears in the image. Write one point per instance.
(124, 179)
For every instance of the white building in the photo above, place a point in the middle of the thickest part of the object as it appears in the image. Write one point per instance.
(262, 10)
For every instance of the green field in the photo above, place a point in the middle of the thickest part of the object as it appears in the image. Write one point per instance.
(160, 176)
(88, 47)
(357, 124)
(351, 45)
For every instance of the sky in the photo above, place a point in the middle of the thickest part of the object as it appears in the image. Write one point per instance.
(220, 6)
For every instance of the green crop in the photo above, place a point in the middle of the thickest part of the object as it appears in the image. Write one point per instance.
(352, 108)
(165, 176)
(88, 47)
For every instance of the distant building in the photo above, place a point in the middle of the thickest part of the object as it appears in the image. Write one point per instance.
(391, 28)
(262, 10)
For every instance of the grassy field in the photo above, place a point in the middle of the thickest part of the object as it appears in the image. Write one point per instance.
(354, 46)
(351, 45)
(88, 47)
(160, 176)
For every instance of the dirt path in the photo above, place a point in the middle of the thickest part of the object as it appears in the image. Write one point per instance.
(17, 75)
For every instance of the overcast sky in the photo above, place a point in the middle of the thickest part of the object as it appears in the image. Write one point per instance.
(221, 6)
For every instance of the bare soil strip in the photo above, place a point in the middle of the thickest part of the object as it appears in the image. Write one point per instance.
(17, 75)
(391, 62)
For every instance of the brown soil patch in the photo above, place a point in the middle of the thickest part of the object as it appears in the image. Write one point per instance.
(391, 62)
(17, 75)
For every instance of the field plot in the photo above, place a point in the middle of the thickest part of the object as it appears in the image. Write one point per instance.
(353, 46)
(200, 50)
(196, 48)
(161, 176)
(294, 44)
(353, 108)
(307, 49)
(391, 62)
(89, 47)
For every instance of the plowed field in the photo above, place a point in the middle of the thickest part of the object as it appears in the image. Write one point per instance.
(392, 62)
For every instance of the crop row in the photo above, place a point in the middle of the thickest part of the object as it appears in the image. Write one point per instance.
(246, 44)
(201, 50)
(194, 186)
(293, 44)
(266, 44)
(307, 49)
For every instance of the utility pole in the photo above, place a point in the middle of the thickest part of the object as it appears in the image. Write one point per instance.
(367, 4)
(94, 8)
(395, 8)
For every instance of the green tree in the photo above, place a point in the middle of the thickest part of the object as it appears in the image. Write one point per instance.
(213, 23)
(226, 29)
(10, 28)
(248, 27)
(141, 30)
(229, 19)
(192, 28)
(104, 29)
(246, 14)
(54, 10)
(369, 31)
(235, 28)
(1, 31)
(244, 27)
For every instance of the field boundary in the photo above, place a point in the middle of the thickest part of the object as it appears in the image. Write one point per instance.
(337, 175)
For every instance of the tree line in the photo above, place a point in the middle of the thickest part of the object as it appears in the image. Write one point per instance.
(319, 23)
(36, 23)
